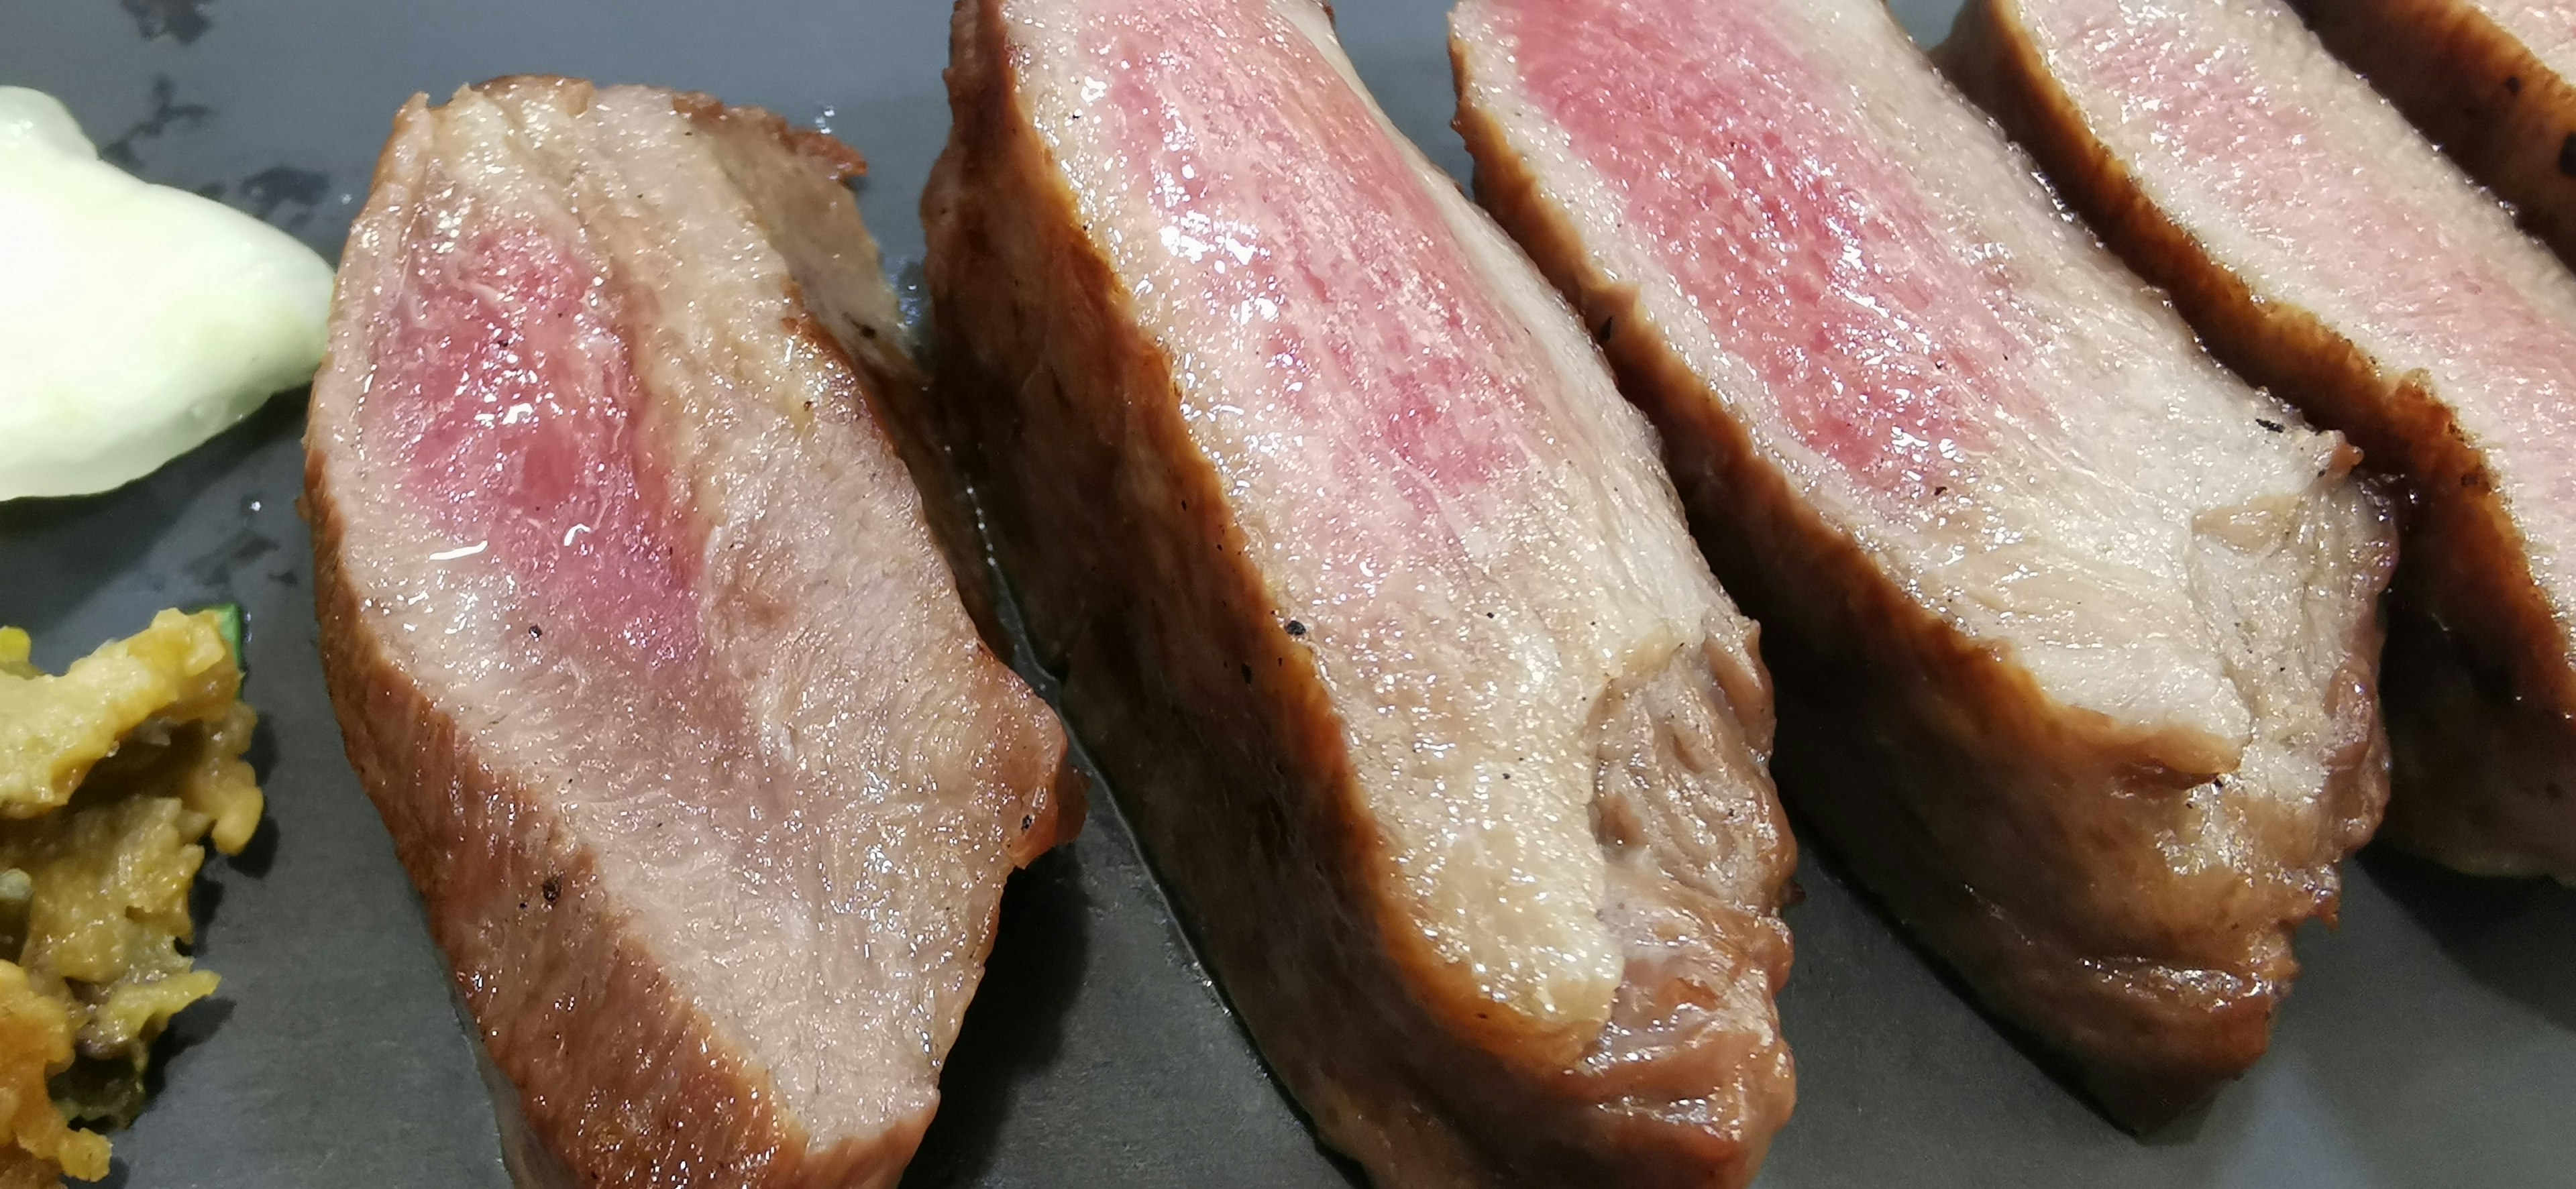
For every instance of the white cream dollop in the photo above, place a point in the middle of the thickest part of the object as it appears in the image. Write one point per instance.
(136, 321)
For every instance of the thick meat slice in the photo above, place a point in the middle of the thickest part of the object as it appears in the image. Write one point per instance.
(2328, 252)
(2075, 631)
(639, 641)
(1369, 596)
(2492, 81)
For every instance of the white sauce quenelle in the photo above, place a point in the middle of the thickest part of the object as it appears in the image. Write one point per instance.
(136, 320)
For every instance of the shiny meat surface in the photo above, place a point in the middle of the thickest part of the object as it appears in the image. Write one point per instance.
(2081, 626)
(2488, 80)
(1369, 595)
(2338, 258)
(639, 641)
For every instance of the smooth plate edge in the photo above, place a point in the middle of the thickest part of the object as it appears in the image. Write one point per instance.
(2432, 1042)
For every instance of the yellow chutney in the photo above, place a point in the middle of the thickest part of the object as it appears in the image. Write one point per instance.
(110, 775)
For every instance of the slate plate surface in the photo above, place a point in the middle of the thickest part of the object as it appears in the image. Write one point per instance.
(2431, 1043)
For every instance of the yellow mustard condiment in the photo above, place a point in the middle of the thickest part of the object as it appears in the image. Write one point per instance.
(110, 776)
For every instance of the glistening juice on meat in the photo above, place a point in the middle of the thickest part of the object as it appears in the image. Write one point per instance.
(1369, 596)
(2327, 251)
(2075, 632)
(639, 640)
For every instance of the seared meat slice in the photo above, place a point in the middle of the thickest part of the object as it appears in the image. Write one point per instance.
(1369, 596)
(2493, 82)
(639, 641)
(2074, 631)
(2327, 251)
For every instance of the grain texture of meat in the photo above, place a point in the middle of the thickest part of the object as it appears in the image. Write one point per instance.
(2327, 251)
(641, 645)
(2074, 630)
(1369, 596)
(2493, 82)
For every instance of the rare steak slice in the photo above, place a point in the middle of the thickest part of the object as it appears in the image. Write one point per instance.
(2493, 82)
(2075, 632)
(639, 640)
(1369, 595)
(2327, 251)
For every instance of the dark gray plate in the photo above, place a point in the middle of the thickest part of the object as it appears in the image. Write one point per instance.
(2432, 1041)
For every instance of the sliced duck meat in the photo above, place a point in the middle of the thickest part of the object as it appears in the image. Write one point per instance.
(2327, 251)
(640, 642)
(2493, 82)
(2075, 631)
(1369, 596)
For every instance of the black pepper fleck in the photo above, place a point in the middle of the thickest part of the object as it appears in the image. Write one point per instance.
(2270, 425)
(554, 888)
(1295, 628)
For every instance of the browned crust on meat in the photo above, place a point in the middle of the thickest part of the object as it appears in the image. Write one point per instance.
(624, 1078)
(1911, 746)
(2464, 550)
(2476, 90)
(826, 152)
(891, 393)
(1122, 698)
(2480, 712)
(1210, 719)
(896, 387)
(873, 347)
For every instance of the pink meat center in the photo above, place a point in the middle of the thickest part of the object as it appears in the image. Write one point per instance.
(1811, 254)
(515, 408)
(2291, 180)
(1306, 235)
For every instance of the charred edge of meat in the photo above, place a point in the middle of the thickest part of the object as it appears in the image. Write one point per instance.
(631, 1038)
(2467, 573)
(2160, 1055)
(618, 1069)
(896, 386)
(1237, 787)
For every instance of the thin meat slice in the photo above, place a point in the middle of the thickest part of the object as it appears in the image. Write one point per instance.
(1369, 597)
(2493, 82)
(640, 643)
(2327, 251)
(2074, 631)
